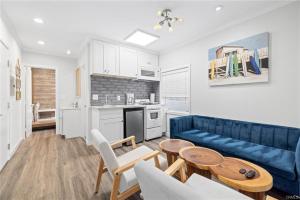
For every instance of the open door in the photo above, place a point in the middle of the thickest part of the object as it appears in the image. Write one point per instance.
(4, 105)
(28, 102)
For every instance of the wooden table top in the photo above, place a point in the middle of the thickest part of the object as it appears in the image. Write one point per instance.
(201, 157)
(173, 146)
(228, 173)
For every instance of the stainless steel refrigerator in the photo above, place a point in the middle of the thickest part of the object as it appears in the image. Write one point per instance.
(134, 123)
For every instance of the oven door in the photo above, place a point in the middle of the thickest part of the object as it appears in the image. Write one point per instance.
(154, 118)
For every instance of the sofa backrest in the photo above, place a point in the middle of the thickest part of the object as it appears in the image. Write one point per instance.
(268, 135)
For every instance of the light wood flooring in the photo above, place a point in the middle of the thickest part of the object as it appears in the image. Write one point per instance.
(48, 167)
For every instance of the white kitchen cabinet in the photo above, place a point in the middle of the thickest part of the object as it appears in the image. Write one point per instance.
(128, 62)
(111, 59)
(96, 57)
(71, 123)
(147, 60)
(112, 129)
(104, 58)
(109, 122)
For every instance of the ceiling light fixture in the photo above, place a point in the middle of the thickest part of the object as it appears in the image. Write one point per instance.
(41, 42)
(38, 20)
(68, 52)
(218, 8)
(167, 19)
(141, 38)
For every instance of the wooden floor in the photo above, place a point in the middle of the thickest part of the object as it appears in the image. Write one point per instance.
(47, 166)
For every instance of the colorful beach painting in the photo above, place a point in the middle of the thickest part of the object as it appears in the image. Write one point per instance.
(243, 61)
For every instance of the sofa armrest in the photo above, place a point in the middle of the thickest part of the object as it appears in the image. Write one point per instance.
(180, 124)
(297, 154)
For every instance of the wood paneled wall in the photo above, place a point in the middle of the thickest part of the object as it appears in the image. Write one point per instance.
(43, 87)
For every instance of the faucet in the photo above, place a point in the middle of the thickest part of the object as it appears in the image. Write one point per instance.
(106, 99)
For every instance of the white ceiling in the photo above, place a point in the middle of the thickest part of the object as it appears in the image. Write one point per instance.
(68, 24)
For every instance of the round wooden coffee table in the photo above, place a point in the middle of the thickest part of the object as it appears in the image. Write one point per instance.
(199, 159)
(172, 146)
(228, 173)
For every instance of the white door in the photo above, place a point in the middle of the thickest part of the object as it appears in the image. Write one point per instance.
(111, 58)
(4, 105)
(128, 62)
(112, 129)
(28, 103)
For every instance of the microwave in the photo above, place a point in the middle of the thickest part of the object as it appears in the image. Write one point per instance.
(149, 73)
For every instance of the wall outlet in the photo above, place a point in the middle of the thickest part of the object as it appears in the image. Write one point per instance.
(95, 97)
(118, 98)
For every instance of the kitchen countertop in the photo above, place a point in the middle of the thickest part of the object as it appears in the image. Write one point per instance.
(118, 106)
(69, 108)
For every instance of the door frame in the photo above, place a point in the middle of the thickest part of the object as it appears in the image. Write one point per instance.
(57, 114)
(8, 152)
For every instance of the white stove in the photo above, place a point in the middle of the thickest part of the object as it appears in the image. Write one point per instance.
(153, 119)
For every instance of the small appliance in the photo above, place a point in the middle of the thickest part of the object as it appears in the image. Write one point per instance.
(148, 73)
(152, 98)
(130, 98)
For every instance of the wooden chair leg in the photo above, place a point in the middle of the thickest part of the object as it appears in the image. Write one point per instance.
(156, 160)
(115, 187)
(100, 172)
(182, 174)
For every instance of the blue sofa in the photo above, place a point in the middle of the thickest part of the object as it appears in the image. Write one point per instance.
(275, 148)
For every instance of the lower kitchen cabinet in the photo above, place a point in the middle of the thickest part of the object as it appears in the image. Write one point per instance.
(112, 129)
(71, 123)
(109, 122)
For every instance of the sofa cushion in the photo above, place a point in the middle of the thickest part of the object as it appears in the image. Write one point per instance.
(227, 128)
(278, 161)
(293, 136)
(190, 132)
(281, 138)
(204, 123)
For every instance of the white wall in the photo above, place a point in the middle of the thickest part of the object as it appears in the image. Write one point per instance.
(17, 109)
(274, 102)
(65, 69)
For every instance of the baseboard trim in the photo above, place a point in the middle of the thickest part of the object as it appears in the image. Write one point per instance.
(15, 148)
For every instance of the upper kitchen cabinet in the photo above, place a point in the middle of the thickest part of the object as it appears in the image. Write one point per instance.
(147, 60)
(111, 59)
(104, 58)
(96, 57)
(128, 62)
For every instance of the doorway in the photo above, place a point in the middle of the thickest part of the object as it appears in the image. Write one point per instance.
(41, 102)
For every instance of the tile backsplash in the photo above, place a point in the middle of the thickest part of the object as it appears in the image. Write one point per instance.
(114, 87)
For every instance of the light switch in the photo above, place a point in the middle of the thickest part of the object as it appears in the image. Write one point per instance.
(95, 97)
(118, 98)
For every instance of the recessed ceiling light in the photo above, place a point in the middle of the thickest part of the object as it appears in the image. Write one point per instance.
(41, 42)
(68, 52)
(141, 38)
(218, 8)
(38, 20)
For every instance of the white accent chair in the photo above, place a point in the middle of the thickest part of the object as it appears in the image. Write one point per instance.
(120, 168)
(158, 185)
